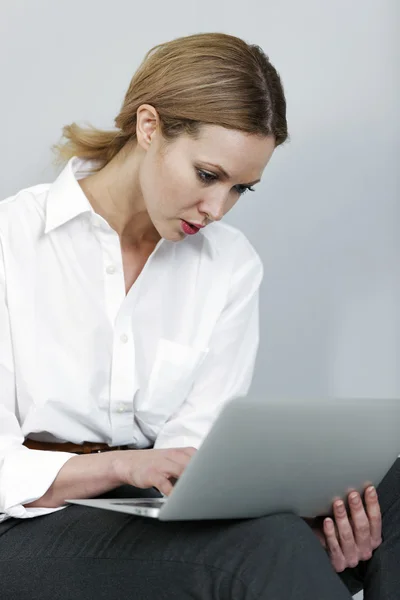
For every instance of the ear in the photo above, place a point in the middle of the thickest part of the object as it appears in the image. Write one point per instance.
(147, 124)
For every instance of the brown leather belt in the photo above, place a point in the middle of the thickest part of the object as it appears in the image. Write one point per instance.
(85, 448)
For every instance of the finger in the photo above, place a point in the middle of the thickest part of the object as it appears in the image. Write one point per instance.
(345, 534)
(361, 527)
(374, 516)
(163, 484)
(335, 552)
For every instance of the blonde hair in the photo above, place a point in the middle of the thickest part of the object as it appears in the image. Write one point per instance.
(212, 78)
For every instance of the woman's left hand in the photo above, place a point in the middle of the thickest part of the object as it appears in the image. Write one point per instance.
(351, 538)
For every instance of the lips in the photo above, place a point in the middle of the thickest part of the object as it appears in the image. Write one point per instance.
(189, 228)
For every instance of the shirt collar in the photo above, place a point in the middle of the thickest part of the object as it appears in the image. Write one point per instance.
(65, 199)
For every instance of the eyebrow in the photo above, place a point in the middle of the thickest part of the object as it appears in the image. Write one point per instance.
(226, 175)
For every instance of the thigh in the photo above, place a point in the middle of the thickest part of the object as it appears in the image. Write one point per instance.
(89, 553)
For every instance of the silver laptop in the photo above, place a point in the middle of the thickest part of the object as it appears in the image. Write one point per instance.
(263, 457)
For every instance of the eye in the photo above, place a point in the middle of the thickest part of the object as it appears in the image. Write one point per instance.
(242, 189)
(206, 177)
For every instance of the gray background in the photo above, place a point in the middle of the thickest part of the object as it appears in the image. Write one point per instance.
(325, 218)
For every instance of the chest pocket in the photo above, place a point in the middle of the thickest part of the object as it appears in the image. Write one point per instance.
(173, 373)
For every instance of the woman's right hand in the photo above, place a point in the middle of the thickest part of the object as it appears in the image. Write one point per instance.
(152, 468)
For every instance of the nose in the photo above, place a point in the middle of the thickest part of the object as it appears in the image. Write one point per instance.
(214, 210)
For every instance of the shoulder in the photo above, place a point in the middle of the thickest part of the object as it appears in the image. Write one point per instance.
(24, 208)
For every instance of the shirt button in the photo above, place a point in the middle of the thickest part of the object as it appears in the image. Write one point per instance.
(121, 409)
(110, 269)
(124, 338)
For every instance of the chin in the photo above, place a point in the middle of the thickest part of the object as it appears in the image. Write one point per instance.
(174, 237)
(171, 234)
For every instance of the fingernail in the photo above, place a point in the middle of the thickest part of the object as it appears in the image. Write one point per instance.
(329, 524)
(339, 506)
(372, 492)
(354, 498)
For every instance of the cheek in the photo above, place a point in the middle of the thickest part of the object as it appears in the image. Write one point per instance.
(169, 187)
(178, 190)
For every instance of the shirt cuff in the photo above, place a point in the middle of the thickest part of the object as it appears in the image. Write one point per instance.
(25, 476)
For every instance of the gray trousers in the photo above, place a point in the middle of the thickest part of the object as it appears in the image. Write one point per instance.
(83, 553)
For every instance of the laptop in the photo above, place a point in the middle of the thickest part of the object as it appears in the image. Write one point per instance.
(262, 457)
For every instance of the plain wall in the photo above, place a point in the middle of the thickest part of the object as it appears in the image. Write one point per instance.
(325, 217)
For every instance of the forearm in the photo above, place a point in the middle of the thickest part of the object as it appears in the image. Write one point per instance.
(81, 477)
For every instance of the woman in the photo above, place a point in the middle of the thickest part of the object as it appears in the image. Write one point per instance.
(124, 329)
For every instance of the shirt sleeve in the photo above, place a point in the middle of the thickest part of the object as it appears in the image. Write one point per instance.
(25, 475)
(227, 371)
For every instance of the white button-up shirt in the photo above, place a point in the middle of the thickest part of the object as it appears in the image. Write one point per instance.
(81, 360)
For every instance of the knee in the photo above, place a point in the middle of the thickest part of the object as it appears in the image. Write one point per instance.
(288, 528)
(282, 535)
(264, 551)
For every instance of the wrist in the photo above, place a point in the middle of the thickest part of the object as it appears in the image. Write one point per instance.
(118, 467)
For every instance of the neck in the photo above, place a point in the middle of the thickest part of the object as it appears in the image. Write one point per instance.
(114, 193)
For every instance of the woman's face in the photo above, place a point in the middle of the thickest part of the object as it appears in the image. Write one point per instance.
(184, 180)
